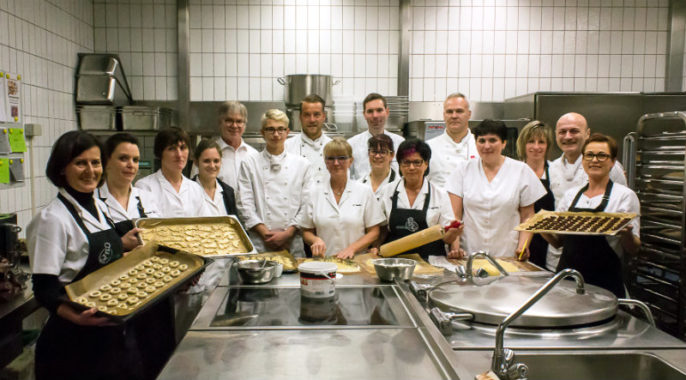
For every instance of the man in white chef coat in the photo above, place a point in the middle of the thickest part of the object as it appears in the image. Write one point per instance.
(272, 189)
(375, 113)
(566, 172)
(310, 143)
(457, 142)
(232, 118)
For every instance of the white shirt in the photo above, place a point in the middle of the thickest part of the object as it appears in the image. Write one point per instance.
(565, 176)
(622, 199)
(215, 205)
(56, 244)
(116, 210)
(440, 210)
(367, 181)
(491, 209)
(231, 161)
(446, 153)
(360, 146)
(272, 190)
(312, 151)
(188, 202)
(341, 224)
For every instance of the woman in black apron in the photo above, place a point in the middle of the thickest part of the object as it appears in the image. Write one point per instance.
(533, 145)
(593, 256)
(207, 157)
(413, 157)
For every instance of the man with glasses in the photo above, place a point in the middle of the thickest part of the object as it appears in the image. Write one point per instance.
(310, 143)
(375, 113)
(566, 172)
(272, 187)
(232, 119)
(456, 143)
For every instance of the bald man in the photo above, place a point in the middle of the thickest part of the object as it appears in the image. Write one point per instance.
(566, 172)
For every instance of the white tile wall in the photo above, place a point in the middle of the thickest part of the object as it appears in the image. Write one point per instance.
(517, 47)
(40, 39)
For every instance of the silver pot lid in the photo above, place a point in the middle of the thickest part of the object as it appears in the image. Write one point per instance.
(561, 307)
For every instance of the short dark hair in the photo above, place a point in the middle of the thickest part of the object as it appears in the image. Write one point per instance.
(113, 142)
(601, 138)
(69, 146)
(168, 137)
(204, 145)
(414, 145)
(313, 98)
(491, 127)
(380, 141)
(373, 96)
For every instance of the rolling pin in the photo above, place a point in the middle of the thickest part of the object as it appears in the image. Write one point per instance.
(417, 239)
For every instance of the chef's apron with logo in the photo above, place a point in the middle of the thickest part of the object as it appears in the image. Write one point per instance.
(66, 350)
(538, 246)
(405, 221)
(592, 256)
(125, 226)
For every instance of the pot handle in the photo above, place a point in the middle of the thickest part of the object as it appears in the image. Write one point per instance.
(331, 127)
(281, 81)
(337, 81)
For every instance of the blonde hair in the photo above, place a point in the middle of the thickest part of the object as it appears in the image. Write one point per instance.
(338, 147)
(532, 130)
(276, 115)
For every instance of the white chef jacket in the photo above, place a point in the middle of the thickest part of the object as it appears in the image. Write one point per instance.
(231, 161)
(391, 177)
(312, 151)
(56, 244)
(491, 209)
(341, 224)
(188, 202)
(117, 212)
(215, 206)
(446, 153)
(440, 210)
(564, 176)
(359, 142)
(622, 199)
(272, 190)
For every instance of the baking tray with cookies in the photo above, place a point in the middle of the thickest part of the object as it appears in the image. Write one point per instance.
(143, 277)
(576, 223)
(213, 237)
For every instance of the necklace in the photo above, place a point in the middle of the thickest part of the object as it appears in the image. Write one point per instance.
(337, 193)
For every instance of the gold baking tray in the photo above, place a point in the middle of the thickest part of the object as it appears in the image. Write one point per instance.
(284, 257)
(90, 291)
(210, 236)
(344, 265)
(606, 225)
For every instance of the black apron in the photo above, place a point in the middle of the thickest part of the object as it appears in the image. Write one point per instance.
(127, 225)
(65, 350)
(404, 221)
(592, 256)
(538, 248)
(391, 179)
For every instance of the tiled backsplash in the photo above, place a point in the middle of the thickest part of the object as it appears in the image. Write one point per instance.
(40, 39)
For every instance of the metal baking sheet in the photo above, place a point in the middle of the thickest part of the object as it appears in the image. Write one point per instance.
(530, 225)
(92, 288)
(284, 257)
(211, 236)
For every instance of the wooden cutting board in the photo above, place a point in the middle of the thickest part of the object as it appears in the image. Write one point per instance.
(510, 265)
(422, 268)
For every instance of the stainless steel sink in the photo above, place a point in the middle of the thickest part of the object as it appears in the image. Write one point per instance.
(600, 366)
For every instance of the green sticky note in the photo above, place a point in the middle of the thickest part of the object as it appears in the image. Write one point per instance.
(4, 170)
(17, 141)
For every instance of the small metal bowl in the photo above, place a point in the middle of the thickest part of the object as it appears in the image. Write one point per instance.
(256, 271)
(391, 269)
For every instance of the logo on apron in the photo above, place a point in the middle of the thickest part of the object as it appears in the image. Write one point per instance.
(411, 225)
(105, 255)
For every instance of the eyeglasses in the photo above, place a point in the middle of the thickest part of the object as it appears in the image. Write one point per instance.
(408, 163)
(280, 130)
(234, 122)
(589, 156)
(374, 152)
(333, 159)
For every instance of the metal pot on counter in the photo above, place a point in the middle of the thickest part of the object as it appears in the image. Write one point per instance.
(299, 86)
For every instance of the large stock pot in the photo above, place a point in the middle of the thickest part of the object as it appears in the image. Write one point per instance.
(299, 86)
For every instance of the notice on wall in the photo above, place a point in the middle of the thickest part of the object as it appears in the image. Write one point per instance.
(4, 170)
(17, 141)
(4, 118)
(10, 98)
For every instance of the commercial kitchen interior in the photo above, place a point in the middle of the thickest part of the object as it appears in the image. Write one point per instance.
(184, 54)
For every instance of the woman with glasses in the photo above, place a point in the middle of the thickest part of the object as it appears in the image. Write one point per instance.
(494, 194)
(177, 195)
(598, 258)
(272, 188)
(412, 203)
(380, 148)
(533, 145)
(342, 216)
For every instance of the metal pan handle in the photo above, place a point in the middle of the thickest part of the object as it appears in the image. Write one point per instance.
(281, 80)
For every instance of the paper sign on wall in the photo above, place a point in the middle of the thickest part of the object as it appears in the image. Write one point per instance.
(4, 170)
(17, 141)
(10, 98)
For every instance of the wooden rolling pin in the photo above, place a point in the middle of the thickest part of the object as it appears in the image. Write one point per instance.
(415, 240)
